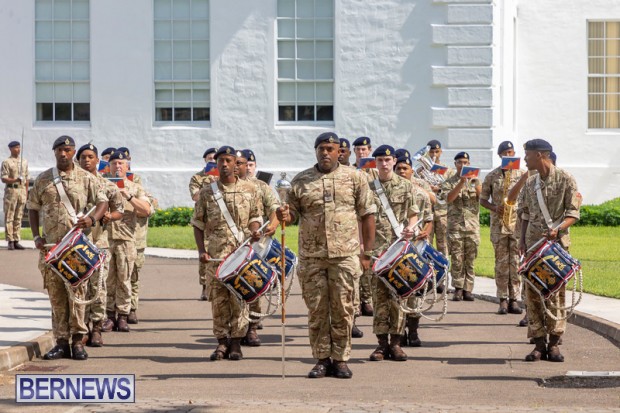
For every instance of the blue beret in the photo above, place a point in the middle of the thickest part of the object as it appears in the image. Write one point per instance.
(504, 146)
(434, 144)
(124, 150)
(384, 150)
(402, 152)
(117, 155)
(344, 143)
(250, 155)
(404, 159)
(329, 137)
(537, 145)
(461, 155)
(361, 141)
(108, 151)
(553, 157)
(225, 150)
(13, 144)
(244, 153)
(63, 140)
(208, 151)
(87, 147)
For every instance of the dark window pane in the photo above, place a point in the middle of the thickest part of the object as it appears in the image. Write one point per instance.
(324, 113)
(202, 114)
(182, 114)
(63, 111)
(305, 112)
(286, 113)
(45, 111)
(81, 111)
(163, 114)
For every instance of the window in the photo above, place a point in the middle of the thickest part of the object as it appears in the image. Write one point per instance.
(604, 75)
(305, 60)
(182, 92)
(62, 60)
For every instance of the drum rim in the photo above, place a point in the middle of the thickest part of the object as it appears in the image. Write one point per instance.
(236, 271)
(405, 244)
(53, 254)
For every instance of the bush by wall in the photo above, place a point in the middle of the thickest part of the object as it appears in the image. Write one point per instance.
(174, 216)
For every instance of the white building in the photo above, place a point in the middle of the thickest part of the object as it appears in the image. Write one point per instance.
(170, 78)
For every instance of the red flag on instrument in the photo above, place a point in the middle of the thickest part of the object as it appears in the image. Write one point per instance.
(367, 163)
(510, 162)
(439, 169)
(470, 172)
(211, 169)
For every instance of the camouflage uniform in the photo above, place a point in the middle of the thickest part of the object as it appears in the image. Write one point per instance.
(440, 219)
(463, 231)
(559, 191)
(124, 254)
(14, 197)
(196, 183)
(388, 317)
(141, 231)
(328, 206)
(242, 200)
(364, 283)
(505, 242)
(83, 193)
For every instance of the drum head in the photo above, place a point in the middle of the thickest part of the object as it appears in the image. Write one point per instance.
(389, 257)
(233, 263)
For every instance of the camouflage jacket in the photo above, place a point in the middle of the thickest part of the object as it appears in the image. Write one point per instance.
(267, 197)
(463, 212)
(99, 234)
(199, 181)
(125, 228)
(10, 169)
(441, 209)
(493, 191)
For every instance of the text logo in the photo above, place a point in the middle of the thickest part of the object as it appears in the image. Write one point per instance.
(72, 388)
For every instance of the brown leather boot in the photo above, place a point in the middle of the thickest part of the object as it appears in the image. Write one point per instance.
(77, 349)
(539, 352)
(251, 338)
(110, 323)
(553, 351)
(458, 294)
(95, 337)
(503, 306)
(235, 349)
(322, 368)
(221, 351)
(11, 247)
(122, 324)
(366, 309)
(396, 352)
(382, 352)
(341, 370)
(412, 335)
(513, 307)
(132, 318)
(468, 296)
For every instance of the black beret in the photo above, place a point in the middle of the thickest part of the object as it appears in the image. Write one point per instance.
(461, 155)
(434, 144)
(402, 152)
(108, 151)
(329, 137)
(404, 159)
(504, 146)
(63, 140)
(250, 155)
(384, 150)
(117, 155)
(344, 143)
(537, 145)
(244, 153)
(12, 144)
(124, 150)
(361, 141)
(208, 151)
(553, 157)
(87, 147)
(225, 150)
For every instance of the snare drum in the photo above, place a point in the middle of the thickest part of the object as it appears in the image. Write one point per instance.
(246, 274)
(438, 261)
(403, 269)
(549, 267)
(270, 250)
(75, 258)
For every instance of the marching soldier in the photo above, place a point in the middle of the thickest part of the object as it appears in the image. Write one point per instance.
(61, 194)
(463, 228)
(328, 199)
(550, 196)
(96, 312)
(503, 238)
(344, 153)
(242, 207)
(440, 208)
(15, 177)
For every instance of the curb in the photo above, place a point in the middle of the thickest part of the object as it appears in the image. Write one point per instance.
(24, 352)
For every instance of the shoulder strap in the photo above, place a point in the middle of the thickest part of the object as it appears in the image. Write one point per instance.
(229, 219)
(396, 226)
(63, 195)
(543, 206)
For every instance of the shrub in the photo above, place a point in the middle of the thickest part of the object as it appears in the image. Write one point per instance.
(174, 216)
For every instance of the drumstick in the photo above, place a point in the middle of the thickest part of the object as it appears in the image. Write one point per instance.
(249, 238)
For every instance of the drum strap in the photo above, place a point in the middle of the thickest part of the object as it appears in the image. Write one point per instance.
(543, 206)
(229, 219)
(385, 203)
(63, 195)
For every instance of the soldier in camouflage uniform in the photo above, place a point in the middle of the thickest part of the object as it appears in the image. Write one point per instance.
(242, 202)
(328, 199)
(388, 316)
(122, 237)
(440, 208)
(344, 153)
(562, 199)
(87, 156)
(504, 239)
(82, 192)
(15, 176)
(463, 228)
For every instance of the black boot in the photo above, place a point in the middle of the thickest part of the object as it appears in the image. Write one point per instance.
(60, 351)
(11, 247)
(539, 352)
(235, 349)
(221, 351)
(322, 368)
(503, 306)
(77, 349)
(412, 335)
(553, 351)
(18, 246)
(251, 338)
(355, 331)
(513, 307)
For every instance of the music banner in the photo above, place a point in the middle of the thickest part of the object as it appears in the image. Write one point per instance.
(211, 169)
(439, 169)
(511, 162)
(470, 172)
(104, 167)
(118, 182)
(367, 163)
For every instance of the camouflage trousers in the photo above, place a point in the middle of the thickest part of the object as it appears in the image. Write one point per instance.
(327, 287)
(365, 287)
(463, 252)
(440, 234)
(135, 279)
(119, 276)
(229, 315)
(13, 213)
(540, 324)
(388, 318)
(96, 310)
(67, 316)
(257, 307)
(412, 302)
(507, 279)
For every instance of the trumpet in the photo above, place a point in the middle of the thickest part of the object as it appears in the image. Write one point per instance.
(422, 169)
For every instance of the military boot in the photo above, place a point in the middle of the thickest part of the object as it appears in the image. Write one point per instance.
(513, 307)
(95, 337)
(524, 321)
(18, 246)
(355, 331)
(503, 306)
(110, 323)
(11, 247)
(321, 369)
(341, 370)
(458, 294)
(132, 318)
(221, 351)
(539, 352)
(382, 352)
(235, 349)
(366, 309)
(553, 351)
(396, 352)
(468, 296)
(251, 338)
(60, 351)
(77, 349)
(122, 324)
(412, 335)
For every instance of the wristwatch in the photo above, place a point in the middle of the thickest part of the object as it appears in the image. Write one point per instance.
(130, 198)
(367, 253)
